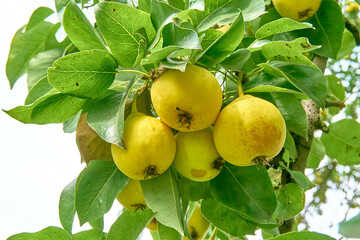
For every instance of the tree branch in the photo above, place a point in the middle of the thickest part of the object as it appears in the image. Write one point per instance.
(338, 104)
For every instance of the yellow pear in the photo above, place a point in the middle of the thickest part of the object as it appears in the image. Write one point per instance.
(132, 197)
(196, 157)
(187, 101)
(150, 147)
(249, 130)
(295, 9)
(197, 224)
(153, 226)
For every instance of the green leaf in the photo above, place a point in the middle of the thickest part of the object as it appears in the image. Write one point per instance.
(84, 74)
(163, 197)
(280, 26)
(225, 44)
(219, 10)
(350, 228)
(122, 33)
(281, 48)
(271, 89)
(101, 183)
(130, 224)
(300, 178)
(290, 145)
(302, 236)
(67, 206)
(293, 113)
(52, 42)
(39, 89)
(23, 47)
(347, 45)
(162, 14)
(317, 153)
(181, 37)
(336, 88)
(298, 58)
(236, 60)
(49, 233)
(38, 16)
(80, 30)
(70, 125)
(254, 10)
(166, 233)
(343, 141)
(53, 107)
(97, 224)
(290, 201)
(159, 54)
(39, 65)
(180, 4)
(92, 234)
(107, 116)
(309, 80)
(329, 27)
(199, 190)
(226, 219)
(249, 185)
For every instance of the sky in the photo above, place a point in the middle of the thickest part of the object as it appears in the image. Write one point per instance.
(37, 162)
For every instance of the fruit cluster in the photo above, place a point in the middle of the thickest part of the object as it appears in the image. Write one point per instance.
(247, 131)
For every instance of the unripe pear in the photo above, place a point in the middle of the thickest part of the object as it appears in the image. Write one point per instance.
(150, 147)
(249, 130)
(187, 101)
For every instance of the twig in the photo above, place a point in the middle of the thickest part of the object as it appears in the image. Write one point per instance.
(338, 104)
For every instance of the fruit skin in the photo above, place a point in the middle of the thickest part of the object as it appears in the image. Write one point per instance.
(352, 7)
(132, 197)
(249, 129)
(152, 225)
(196, 157)
(295, 9)
(150, 147)
(187, 101)
(197, 224)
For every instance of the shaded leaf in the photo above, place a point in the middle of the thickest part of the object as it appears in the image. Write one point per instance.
(85, 74)
(350, 228)
(317, 153)
(290, 145)
(39, 89)
(337, 91)
(67, 206)
(100, 184)
(90, 235)
(236, 60)
(166, 233)
(49, 233)
(38, 16)
(302, 236)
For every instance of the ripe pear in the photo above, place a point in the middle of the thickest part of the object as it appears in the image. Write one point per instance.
(132, 197)
(150, 147)
(197, 224)
(187, 101)
(153, 226)
(295, 9)
(249, 130)
(196, 157)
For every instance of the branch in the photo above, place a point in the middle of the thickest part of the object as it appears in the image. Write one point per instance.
(353, 29)
(338, 104)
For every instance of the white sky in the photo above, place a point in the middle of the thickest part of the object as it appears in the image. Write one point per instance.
(37, 162)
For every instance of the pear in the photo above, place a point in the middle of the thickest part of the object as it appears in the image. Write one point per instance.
(197, 224)
(150, 147)
(249, 130)
(295, 9)
(132, 197)
(187, 101)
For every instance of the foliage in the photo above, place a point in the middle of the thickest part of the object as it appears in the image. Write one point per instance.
(104, 68)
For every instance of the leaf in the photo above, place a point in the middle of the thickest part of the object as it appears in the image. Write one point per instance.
(336, 88)
(181, 37)
(130, 224)
(293, 113)
(271, 89)
(329, 26)
(284, 48)
(347, 45)
(290, 145)
(220, 11)
(98, 224)
(101, 183)
(254, 10)
(159, 54)
(84, 74)
(309, 80)
(121, 33)
(163, 197)
(295, 58)
(67, 206)
(249, 185)
(290, 201)
(226, 219)
(166, 233)
(38, 16)
(90, 145)
(199, 190)
(92, 234)
(106, 118)
(343, 141)
(53, 107)
(24, 46)
(49, 233)
(39, 65)
(350, 228)
(69, 126)
(39, 89)
(280, 26)
(317, 153)
(300, 178)
(80, 30)
(302, 236)
(225, 44)
(236, 60)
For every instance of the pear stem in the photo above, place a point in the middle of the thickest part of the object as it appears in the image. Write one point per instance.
(134, 103)
(239, 84)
